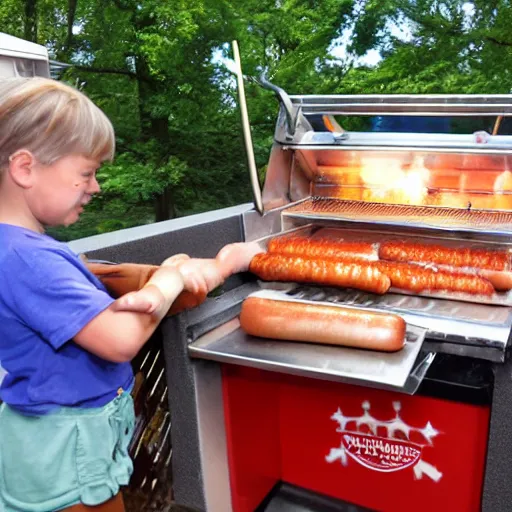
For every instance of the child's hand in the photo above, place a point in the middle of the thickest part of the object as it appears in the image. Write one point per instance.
(178, 273)
(200, 276)
(188, 267)
(147, 300)
(234, 258)
(175, 261)
(156, 296)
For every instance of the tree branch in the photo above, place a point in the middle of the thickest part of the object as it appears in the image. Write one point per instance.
(72, 4)
(31, 20)
(113, 71)
(497, 41)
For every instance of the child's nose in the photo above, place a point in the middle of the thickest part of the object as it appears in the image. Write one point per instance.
(94, 186)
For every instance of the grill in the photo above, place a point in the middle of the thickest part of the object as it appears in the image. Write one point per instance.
(263, 425)
(324, 181)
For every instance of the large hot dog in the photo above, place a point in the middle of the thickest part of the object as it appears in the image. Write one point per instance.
(323, 248)
(437, 254)
(345, 274)
(320, 323)
(501, 280)
(376, 277)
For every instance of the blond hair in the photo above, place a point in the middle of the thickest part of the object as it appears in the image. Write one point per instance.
(52, 120)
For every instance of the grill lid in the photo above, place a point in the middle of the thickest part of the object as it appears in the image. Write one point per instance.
(315, 155)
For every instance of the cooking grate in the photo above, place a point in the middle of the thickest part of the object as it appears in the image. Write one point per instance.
(403, 215)
(457, 311)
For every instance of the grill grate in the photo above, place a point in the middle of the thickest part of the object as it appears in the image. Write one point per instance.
(393, 302)
(403, 215)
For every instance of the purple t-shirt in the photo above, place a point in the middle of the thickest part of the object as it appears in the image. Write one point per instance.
(47, 295)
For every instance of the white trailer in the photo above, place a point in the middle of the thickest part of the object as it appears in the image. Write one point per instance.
(22, 58)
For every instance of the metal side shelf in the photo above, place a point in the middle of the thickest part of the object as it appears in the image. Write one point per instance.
(399, 371)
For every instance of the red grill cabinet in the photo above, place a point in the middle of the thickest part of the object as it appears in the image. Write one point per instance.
(382, 450)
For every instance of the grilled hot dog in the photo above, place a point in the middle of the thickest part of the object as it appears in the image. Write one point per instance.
(283, 267)
(323, 248)
(502, 281)
(437, 254)
(416, 278)
(376, 277)
(320, 323)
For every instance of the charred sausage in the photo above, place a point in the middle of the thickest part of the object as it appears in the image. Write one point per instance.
(323, 248)
(416, 278)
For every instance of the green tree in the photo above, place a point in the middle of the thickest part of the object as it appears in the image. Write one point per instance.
(452, 47)
(150, 66)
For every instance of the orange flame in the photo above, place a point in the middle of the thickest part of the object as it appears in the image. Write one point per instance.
(388, 178)
(446, 180)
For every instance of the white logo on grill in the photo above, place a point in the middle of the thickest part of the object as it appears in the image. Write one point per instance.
(384, 453)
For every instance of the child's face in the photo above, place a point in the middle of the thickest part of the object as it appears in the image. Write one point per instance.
(61, 190)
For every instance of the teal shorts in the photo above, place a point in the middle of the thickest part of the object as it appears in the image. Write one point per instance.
(71, 456)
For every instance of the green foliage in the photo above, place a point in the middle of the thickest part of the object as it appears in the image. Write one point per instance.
(149, 65)
(138, 181)
(454, 47)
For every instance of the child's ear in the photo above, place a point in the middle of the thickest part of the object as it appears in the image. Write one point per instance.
(21, 167)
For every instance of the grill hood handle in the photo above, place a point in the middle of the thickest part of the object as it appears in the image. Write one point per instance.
(292, 114)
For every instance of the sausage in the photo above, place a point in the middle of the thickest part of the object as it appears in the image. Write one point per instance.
(502, 281)
(455, 257)
(376, 277)
(323, 248)
(320, 323)
(415, 278)
(283, 267)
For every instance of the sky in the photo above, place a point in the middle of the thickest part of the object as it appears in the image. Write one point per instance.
(339, 46)
(401, 31)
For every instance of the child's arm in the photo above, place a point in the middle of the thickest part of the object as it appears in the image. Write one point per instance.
(117, 335)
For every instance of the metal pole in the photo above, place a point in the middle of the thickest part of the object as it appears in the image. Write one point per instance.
(256, 189)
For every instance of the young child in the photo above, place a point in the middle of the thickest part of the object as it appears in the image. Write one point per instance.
(67, 415)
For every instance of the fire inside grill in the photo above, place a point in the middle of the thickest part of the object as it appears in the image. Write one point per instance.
(419, 178)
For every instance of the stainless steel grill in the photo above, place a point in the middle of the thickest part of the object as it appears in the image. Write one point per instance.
(377, 186)
(451, 189)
